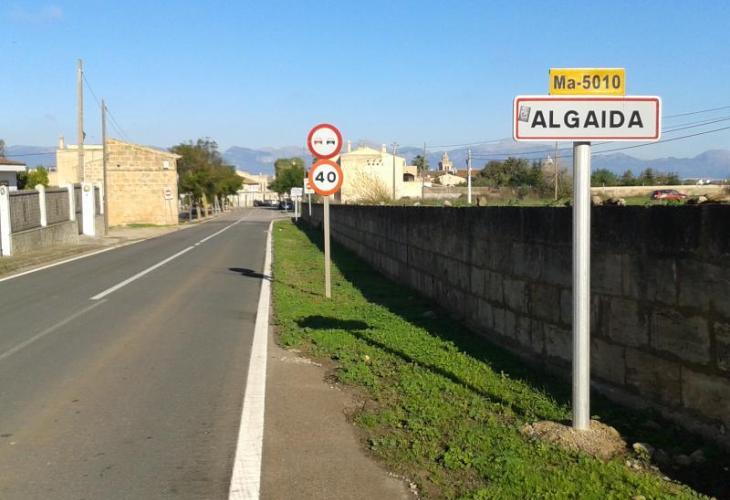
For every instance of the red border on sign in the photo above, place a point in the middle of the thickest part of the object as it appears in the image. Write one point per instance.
(654, 137)
(339, 141)
(310, 177)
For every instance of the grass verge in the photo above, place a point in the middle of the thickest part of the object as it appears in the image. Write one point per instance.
(441, 406)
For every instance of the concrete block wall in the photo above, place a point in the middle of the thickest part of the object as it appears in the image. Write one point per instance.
(660, 285)
(57, 205)
(25, 211)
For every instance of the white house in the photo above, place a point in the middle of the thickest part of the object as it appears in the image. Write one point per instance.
(9, 172)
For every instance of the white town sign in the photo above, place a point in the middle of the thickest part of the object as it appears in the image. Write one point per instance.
(577, 118)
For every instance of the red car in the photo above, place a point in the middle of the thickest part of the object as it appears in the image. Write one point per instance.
(668, 195)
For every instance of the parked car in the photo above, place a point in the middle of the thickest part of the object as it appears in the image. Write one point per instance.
(286, 205)
(668, 195)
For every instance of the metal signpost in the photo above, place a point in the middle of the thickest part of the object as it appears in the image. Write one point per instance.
(296, 195)
(582, 117)
(325, 178)
(309, 192)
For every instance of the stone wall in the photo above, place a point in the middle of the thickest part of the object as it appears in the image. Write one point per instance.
(25, 211)
(137, 181)
(62, 233)
(660, 291)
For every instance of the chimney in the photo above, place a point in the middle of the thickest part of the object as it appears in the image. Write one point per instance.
(349, 146)
(61, 143)
(382, 149)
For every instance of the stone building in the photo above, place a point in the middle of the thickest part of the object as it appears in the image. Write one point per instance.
(368, 175)
(446, 165)
(141, 181)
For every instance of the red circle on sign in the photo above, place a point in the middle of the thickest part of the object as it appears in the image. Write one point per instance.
(339, 141)
(313, 183)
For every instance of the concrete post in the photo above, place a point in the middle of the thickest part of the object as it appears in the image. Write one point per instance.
(102, 194)
(88, 209)
(6, 242)
(42, 203)
(71, 202)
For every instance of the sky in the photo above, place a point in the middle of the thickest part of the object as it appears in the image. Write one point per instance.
(257, 74)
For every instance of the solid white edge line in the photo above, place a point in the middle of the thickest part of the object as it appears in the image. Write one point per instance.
(246, 477)
(48, 331)
(140, 274)
(66, 261)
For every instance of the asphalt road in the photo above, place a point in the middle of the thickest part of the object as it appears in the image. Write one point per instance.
(137, 394)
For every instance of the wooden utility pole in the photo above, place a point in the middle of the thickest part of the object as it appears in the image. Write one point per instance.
(395, 149)
(557, 170)
(80, 117)
(103, 166)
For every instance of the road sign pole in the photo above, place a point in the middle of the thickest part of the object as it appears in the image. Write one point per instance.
(310, 203)
(327, 273)
(581, 284)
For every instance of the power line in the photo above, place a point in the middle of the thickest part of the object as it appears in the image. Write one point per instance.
(115, 123)
(491, 141)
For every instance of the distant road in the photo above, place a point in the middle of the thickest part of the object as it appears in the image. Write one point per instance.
(122, 374)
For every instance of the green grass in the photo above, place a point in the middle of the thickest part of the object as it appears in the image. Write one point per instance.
(440, 405)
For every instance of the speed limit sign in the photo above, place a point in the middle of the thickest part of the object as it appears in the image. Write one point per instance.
(325, 177)
(324, 141)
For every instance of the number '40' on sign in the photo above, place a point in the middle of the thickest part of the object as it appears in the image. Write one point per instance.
(325, 177)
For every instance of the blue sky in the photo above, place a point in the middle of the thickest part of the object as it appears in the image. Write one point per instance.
(261, 73)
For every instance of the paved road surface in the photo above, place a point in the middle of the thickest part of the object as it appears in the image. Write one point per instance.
(137, 394)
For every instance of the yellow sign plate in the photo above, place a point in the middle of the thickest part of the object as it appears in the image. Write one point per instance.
(587, 81)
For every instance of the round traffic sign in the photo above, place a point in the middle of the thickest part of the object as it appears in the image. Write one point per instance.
(324, 141)
(325, 177)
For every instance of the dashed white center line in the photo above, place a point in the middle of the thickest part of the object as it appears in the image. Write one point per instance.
(140, 274)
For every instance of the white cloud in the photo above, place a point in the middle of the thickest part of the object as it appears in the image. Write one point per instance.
(46, 14)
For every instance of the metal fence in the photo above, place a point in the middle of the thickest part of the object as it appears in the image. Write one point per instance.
(56, 205)
(25, 210)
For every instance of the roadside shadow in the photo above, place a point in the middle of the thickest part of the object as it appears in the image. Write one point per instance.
(326, 323)
(635, 425)
(249, 273)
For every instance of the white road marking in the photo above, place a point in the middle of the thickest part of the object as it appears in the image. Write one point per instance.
(65, 261)
(140, 274)
(48, 331)
(246, 477)
(137, 276)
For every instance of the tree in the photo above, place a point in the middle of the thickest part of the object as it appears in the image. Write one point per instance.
(647, 177)
(603, 177)
(2, 148)
(628, 179)
(203, 173)
(30, 179)
(421, 163)
(289, 173)
(512, 172)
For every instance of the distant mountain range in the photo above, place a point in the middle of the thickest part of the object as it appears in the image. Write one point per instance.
(713, 163)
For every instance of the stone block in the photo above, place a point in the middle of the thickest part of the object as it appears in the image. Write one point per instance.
(704, 285)
(661, 281)
(493, 287)
(537, 336)
(606, 274)
(653, 377)
(558, 265)
(708, 395)
(515, 295)
(522, 331)
(527, 260)
(722, 345)
(627, 324)
(607, 361)
(477, 281)
(558, 342)
(686, 337)
(499, 320)
(566, 306)
(485, 317)
(544, 302)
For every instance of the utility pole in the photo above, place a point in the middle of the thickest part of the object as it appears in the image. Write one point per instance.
(468, 178)
(557, 170)
(423, 171)
(80, 117)
(103, 166)
(395, 149)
